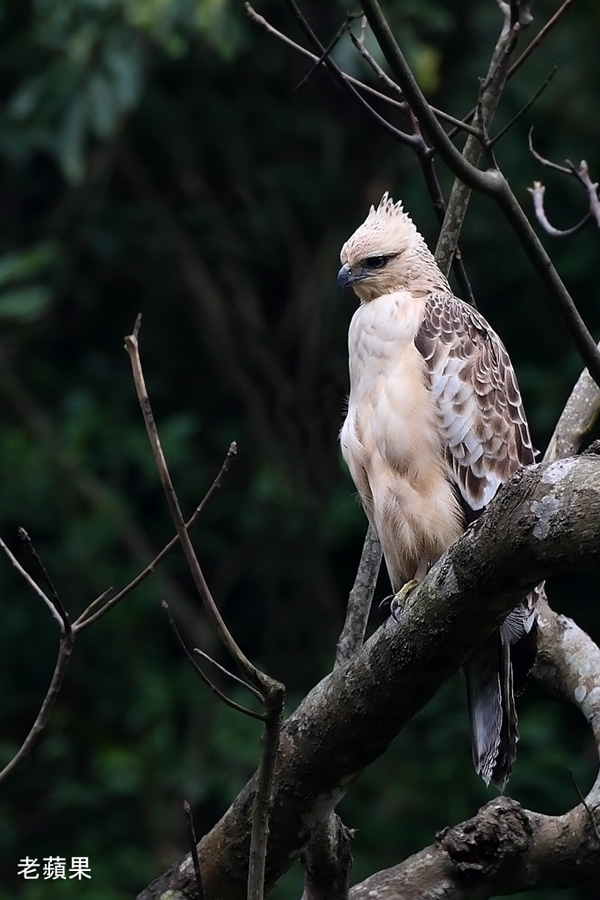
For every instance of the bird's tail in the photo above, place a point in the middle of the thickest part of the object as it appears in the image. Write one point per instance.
(495, 673)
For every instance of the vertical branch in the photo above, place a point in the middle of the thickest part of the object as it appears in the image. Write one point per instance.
(263, 800)
(272, 693)
(490, 93)
(360, 599)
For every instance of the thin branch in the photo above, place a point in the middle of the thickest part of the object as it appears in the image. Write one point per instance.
(565, 170)
(56, 599)
(360, 85)
(229, 674)
(524, 109)
(360, 599)
(416, 139)
(490, 183)
(358, 44)
(80, 623)
(328, 49)
(67, 639)
(260, 20)
(537, 192)
(489, 96)
(537, 40)
(187, 811)
(227, 700)
(85, 619)
(251, 672)
(524, 55)
(396, 133)
(35, 587)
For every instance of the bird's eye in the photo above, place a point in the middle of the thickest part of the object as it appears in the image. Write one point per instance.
(376, 262)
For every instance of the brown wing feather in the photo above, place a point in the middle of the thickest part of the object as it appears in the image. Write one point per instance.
(483, 422)
(486, 440)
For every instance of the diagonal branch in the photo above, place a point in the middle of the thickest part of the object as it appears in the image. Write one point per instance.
(67, 639)
(546, 519)
(396, 133)
(249, 670)
(212, 687)
(88, 616)
(56, 614)
(271, 691)
(490, 183)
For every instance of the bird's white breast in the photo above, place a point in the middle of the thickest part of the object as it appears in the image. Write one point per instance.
(391, 436)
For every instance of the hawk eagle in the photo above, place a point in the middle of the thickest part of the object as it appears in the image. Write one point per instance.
(435, 424)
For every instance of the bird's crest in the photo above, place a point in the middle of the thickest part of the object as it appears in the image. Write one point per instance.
(387, 228)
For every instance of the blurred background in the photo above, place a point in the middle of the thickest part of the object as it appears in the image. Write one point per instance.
(159, 156)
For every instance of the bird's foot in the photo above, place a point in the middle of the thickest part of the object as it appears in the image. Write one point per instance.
(385, 606)
(400, 599)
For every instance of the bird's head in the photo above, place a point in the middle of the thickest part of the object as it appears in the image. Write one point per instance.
(387, 254)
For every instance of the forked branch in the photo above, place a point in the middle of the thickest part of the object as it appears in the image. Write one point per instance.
(271, 692)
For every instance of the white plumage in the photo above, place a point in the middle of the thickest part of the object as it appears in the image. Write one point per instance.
(434, 425)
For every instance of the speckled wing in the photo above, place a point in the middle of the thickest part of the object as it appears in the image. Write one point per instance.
(471, 376)
(486, 440)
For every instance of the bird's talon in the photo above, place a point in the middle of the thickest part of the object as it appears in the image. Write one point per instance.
(400, 598)
(386, 603)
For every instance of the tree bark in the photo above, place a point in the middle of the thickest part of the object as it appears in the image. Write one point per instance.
(545, 520)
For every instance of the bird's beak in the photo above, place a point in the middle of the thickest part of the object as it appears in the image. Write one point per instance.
(345, 276)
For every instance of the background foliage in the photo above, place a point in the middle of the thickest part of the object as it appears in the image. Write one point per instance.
(155, 157)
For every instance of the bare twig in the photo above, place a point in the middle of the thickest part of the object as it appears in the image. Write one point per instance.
(565, 170)
(524, 109)
(491, 183)
(36, 587)
(329, 48)
(537, 40)
(359, 45)
(86, 619)
(187, 811)
(67, 639)
(55, 598)
(227, 700)
(229, 674)
(249, 670)
(360, 85)
(271, 691)
(396, 133)
(488, 99)
(260, 20)
(537, 192)
(543, 32)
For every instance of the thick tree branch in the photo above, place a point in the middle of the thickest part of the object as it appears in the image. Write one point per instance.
(545, 519)
(505, 849)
